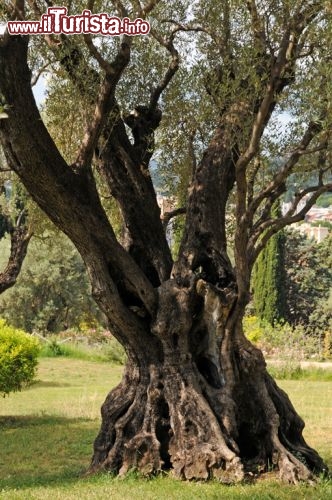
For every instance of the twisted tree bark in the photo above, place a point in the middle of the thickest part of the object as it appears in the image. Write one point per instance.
(199, 401)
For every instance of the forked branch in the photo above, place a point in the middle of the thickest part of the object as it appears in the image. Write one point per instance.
(20, 237)
(171, 70)
(313, 129)
(272, 226)
(282, 73)
(168, 216)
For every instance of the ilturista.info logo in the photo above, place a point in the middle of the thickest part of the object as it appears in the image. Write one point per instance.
(57, 21)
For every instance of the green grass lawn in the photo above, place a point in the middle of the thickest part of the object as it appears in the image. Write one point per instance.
(47, 431)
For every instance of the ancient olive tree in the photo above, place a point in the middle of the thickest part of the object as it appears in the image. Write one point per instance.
(206, 85)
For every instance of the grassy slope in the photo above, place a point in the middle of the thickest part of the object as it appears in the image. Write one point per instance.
(46, 434)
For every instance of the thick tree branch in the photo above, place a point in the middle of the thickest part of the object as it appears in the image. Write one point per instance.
(123, 56)
(105, 104)
(130, 183)
(19, 9)
(168, 216)
(204, 247)
(258, 28)
(105, 65)
(94, 129)
(321, 147)
(124, 167)
(168, 43)
(19, 240)
(144, 120)
(61, 193)
(266, 212)
(144, 10)
(282, 73)
(241, 237)
(172, 69)
(39, 73)
(258, 230)
(252, 175)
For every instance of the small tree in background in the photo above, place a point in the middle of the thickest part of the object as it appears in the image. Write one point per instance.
(52, 292)
(13, 222)
(269, 282)
(308, 279)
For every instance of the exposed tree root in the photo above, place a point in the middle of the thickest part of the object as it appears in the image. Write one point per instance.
(270, 428)
(205, 408)
(169, 418)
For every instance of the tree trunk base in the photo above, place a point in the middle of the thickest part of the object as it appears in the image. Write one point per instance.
(168, 417)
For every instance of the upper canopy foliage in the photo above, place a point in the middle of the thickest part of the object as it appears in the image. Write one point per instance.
(259, 71)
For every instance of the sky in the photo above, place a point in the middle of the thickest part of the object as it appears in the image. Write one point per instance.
(39, 90)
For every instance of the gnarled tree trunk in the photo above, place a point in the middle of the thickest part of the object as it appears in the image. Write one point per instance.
(196, 398)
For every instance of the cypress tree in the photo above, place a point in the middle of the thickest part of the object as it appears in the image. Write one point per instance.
(269, 281)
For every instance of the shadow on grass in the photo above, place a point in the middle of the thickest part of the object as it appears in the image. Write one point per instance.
(44, 450)
(14, 421)
(22, 482)
(44, 383)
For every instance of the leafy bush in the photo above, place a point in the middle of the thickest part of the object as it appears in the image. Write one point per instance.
(282, 340)
(321, 325)
(94, 345)
(325, 200)
(253, 329)
(327, 352)
(18, 358)
(115, 353)
(288, 370)
(54, 349)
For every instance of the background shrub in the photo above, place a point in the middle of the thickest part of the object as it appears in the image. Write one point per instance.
(253, 329)
(18, 358)
(94, 344)
(284, 341)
